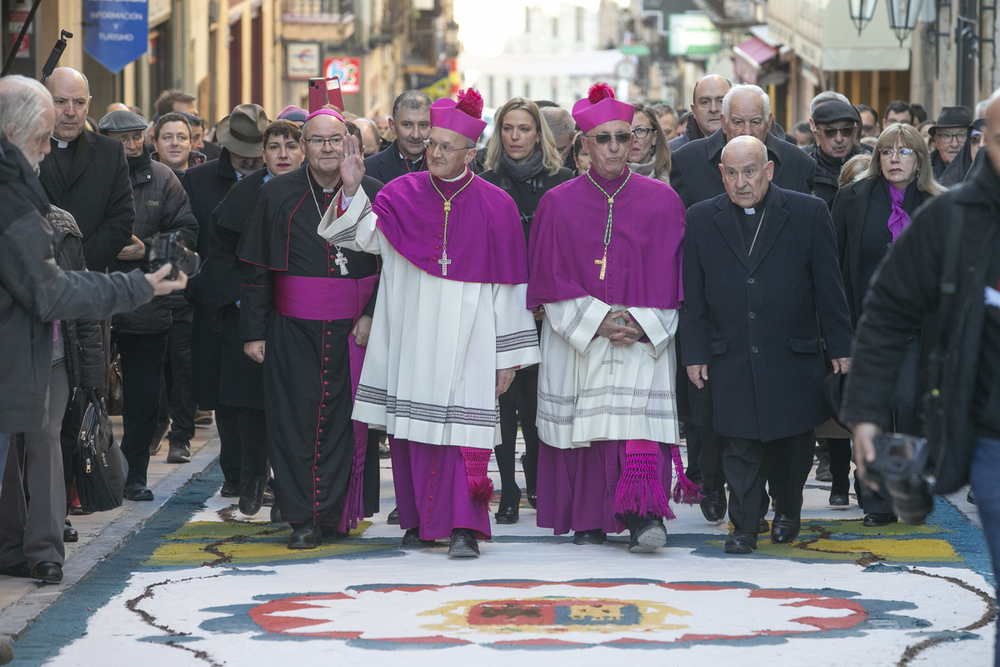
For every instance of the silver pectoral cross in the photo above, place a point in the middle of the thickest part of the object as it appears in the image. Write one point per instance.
(341, 261)
(444, 262)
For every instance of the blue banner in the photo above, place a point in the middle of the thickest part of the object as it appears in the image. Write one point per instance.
(116, 32)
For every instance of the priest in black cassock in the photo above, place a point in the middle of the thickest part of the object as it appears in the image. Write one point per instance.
(305, 313)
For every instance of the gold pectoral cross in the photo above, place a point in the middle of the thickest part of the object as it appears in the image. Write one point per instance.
(603, 262)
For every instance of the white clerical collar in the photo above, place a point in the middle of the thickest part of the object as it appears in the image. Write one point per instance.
(60, 143)
(457, 178)
(750, 211)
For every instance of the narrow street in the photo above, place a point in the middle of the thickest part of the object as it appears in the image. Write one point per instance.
(194, 583)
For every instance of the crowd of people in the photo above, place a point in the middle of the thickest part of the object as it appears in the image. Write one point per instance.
(607, 277)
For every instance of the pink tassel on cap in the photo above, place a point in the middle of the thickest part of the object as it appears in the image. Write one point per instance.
(600, 91)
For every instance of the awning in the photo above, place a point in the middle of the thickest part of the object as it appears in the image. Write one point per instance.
(750, 57)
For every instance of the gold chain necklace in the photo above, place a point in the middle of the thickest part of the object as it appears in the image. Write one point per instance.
(341, 259)
(444, 261)
(607, 228)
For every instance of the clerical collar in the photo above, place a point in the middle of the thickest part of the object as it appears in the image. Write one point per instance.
(758, 207)
(60, 143)
(457, 178)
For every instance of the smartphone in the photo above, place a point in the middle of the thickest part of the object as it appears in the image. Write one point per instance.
(324, 91)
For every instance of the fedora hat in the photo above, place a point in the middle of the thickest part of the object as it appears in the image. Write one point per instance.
(242, 132)
(959, 116)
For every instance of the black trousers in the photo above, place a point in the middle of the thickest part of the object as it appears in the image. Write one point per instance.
(518, 403)
(142, 368)
(178, 389)
(231, 445)
(748, 464)
(252, 431)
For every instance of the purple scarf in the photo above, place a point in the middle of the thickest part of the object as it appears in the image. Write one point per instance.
(898, 219)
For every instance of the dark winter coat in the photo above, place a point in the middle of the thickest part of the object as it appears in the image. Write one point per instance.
(97, 194)
(34, 291)
(387, 165)
(905, 294)
(760, 321)
(161, 205)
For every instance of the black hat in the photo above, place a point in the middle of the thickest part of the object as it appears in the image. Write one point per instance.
(122, 121)
(831, 112)
(960, 116)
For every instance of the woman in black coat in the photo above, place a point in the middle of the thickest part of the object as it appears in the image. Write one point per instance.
(868, 216)
(521, 159)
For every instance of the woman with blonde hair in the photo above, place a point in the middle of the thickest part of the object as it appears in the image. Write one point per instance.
(649, 155)
(522, 160)
(869, 214)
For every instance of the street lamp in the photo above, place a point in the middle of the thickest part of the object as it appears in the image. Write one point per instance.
(902, 17)
(861, 13)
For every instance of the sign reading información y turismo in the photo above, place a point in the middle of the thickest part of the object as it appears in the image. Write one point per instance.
(116, 32)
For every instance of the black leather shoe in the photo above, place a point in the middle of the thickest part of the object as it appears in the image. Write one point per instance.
(305, 536)
(840, 499)
(507, 514)
(714, 506)
(784, 529)
(648, 537)
(47, 572)
(763, 526)
(971, 497)
(463, 544)
(230, 490)
(252, 496)
(19, 570)
(411, 540)
(332, 533)
(533, 498)
(741, 543)
(595, 536)
(876, 519)
(70, 533)
(393, 517)
(137, 492)
(275, 514)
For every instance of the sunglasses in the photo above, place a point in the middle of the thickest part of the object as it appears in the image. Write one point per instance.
(605, 137)
(831, 132)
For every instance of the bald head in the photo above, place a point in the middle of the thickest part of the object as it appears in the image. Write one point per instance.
(746, 171)
(71, 97)
(992, 131)
(707, 107)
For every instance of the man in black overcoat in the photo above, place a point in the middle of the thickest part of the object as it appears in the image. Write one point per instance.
(762, 292)
(241, 135)
(695, 176)
(86, 173)
(411, 123)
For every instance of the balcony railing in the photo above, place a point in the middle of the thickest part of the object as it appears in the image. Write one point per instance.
(317, 11)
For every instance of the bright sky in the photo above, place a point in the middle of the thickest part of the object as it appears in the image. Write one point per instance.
(485, 27)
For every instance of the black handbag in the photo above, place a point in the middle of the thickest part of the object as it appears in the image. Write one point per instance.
(100, 466)
(115, 389)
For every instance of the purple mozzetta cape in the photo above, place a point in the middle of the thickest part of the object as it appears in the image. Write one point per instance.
(485, 238)
(644, 256)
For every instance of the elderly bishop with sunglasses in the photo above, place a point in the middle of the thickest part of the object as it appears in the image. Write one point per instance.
(450, 324)
(605, 265)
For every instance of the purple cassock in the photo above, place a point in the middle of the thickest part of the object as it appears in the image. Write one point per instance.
(442, 487)
(592, 487)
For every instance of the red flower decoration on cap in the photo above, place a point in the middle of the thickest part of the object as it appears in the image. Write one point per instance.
(600, 91)
(470, 102)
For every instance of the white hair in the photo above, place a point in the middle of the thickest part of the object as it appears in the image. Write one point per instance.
(738, 89)
(826, 96)
(22, 103)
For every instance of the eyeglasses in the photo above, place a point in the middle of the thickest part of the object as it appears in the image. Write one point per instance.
(948, 137)
(320, 142)
(445, 148)
(605, 137)
(903, 153)
(641, 132)
(127, 139)
(832, 132)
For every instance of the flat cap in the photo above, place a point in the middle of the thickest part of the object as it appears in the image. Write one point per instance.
(121, 121)
(831, 112)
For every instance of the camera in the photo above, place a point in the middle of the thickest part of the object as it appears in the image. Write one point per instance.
(900, 465)
(169, 248)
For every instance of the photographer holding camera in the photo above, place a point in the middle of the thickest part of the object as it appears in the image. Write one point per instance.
(942, 276)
